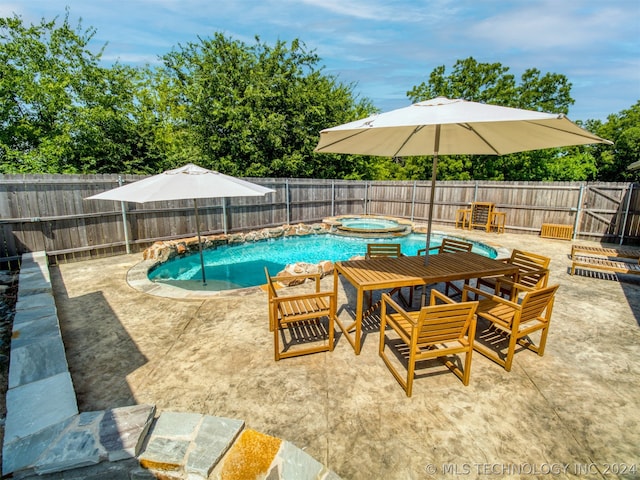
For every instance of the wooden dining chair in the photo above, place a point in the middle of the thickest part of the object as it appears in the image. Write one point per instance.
(512, 321)
(304, 322)
(481, 215)
(533, 271)
(392, 250)
(441, 329)
(450, 245)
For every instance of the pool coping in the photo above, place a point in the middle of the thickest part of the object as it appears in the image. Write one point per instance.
(138, 279)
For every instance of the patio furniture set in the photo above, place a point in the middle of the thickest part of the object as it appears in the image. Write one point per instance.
(511, 297)
(482, 215)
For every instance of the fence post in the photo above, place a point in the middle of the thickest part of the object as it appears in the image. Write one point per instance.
(333, 198)
(288, 200)
(626, 212)
(124, 220)
(576, 222)
(413, 200)
(475, 191)
(366, 192)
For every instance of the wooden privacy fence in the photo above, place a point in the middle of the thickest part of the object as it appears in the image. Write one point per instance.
(48, 212)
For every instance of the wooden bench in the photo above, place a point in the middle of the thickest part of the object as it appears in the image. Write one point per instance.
(555, 230)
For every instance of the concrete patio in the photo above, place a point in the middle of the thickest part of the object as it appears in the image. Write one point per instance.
(573, 412)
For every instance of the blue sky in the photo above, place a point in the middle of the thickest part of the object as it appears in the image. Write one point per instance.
(388, 47)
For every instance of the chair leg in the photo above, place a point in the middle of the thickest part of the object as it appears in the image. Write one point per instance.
(276, 342)
(467, 366)
(510, 352)
(331, 319)
(405, 384)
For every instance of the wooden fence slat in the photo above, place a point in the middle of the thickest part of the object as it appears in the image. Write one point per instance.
(50, 211)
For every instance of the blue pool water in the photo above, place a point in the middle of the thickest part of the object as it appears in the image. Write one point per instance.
(242, 265)
(368, 223)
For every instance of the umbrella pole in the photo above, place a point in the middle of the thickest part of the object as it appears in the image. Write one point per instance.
(195, 206)
(434, 173)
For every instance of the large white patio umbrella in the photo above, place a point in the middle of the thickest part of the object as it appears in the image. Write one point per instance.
(187, 182)
(452, 127)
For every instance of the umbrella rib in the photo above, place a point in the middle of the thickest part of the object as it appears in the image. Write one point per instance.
(583, 135)
(486, 142)
(341, 140)
(415, 130)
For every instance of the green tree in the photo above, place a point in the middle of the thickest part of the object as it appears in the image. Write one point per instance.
(256, 110)
(60, 111)
(623, 129)
(492, 83)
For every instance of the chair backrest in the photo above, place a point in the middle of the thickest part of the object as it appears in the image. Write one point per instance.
(481, 213)
(535, 279)
(535, 302)
(527, 261)
(270, 286)
(451, 245)
(383, 250)
(443, 323)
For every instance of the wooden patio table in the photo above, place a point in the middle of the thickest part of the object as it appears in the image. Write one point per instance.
(387, 273)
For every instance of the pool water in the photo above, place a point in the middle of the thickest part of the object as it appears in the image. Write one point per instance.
(242, 265)
(367, 224)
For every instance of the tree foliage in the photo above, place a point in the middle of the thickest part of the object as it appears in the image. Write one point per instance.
(623, 129)
(256, 110)
(60, 111)
(251, 110)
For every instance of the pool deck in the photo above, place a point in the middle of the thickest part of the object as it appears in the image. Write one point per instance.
(576, 410)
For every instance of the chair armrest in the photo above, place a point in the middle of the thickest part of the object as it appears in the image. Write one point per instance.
(436, 295)
(304, 296)
(487, 295)
(514, 286)
(434, 248)
(421, 251)
(387, 300)
(305, 276)
(526, 273)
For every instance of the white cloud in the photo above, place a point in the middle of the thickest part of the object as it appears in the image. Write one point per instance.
(548, 25)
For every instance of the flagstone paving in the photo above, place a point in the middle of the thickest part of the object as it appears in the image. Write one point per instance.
(572, 413)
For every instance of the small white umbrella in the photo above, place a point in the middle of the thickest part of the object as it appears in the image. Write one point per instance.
(187, 182)
(453, 127)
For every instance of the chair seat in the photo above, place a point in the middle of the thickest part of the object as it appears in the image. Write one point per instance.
(299, 308)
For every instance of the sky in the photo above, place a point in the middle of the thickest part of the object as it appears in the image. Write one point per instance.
(385, 48)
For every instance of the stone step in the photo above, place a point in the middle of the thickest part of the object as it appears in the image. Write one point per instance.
(85, 439)
(196, 447)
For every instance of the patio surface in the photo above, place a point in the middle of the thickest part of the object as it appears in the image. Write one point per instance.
(573, 412)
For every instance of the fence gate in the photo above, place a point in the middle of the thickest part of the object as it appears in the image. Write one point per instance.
(603, 210)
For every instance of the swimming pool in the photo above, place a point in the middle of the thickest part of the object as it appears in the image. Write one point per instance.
(242, 265)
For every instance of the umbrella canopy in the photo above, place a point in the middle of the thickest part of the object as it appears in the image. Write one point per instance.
(453, 127)
(190, 181)
(634, 166)
(187, 182)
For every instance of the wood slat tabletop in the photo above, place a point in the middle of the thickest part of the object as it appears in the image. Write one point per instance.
(382, 273)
